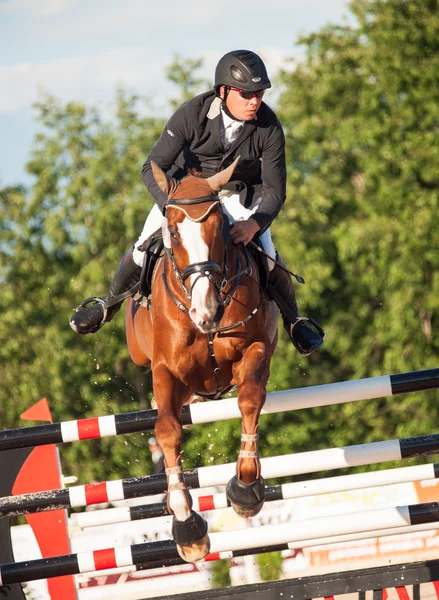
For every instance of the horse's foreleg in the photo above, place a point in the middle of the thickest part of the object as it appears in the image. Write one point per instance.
(246, 491)
(189, 529)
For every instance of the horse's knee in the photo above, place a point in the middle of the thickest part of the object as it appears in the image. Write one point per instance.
(168, 429)
(251, 398)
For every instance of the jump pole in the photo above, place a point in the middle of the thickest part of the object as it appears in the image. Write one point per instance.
(277, 466)
(222, 410)
(263, 539)
(286, 491)
(297, 545)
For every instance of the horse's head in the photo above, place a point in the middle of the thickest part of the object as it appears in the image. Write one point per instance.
(193, 233)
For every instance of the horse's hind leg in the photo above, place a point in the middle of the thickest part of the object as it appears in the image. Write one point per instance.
(246, 490)
(189, 529)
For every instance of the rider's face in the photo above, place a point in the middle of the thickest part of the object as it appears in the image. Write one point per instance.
(241, 109)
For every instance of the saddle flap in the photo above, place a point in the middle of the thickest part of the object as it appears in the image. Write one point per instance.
(153, 248)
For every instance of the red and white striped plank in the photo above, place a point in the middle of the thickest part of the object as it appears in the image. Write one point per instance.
(207, 412)
(88, 429)
(287, 491)
(277, 466)
(244, 540)
(314, 543)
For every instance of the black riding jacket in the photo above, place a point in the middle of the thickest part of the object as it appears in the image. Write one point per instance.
(192, 139)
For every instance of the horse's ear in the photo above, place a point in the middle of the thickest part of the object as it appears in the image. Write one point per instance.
(219, 180)
(162, 180)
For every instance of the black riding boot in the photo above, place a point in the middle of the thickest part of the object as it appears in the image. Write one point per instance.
(93, 313)
(281, 289)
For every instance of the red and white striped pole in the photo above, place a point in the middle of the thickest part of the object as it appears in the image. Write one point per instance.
(287, 491)
(223, 544)
(208, 412)
(277, 466)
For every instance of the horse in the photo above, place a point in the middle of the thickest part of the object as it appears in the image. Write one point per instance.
(207, 328)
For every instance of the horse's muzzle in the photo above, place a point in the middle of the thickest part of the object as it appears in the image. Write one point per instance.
(207, 323)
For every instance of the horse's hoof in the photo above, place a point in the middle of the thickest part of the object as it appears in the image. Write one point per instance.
(191, 537)
(196, 551)
(246, 512)
(246, 499)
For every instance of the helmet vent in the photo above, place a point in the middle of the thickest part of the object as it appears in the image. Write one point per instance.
(237, 74)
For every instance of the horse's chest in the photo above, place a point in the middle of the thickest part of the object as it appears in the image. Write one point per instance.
(203, 364)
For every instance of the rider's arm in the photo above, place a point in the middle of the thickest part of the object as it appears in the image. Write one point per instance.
(165, 152)
(273, 178)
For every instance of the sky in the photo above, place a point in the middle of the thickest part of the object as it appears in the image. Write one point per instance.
(85, 49)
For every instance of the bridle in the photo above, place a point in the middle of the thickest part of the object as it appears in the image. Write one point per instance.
(211, 270)
(207, 268)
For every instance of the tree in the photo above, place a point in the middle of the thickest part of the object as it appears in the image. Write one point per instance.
(63, 242)
(361, 118)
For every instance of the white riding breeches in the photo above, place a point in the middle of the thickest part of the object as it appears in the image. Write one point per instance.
(232, 208)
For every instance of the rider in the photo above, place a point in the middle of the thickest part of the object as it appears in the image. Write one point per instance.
(202, 137)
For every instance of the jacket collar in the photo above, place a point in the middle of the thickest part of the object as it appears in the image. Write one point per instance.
(247, 129)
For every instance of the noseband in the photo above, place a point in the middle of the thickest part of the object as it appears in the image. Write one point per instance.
(207, 268)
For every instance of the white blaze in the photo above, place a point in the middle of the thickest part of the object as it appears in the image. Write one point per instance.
(198, 251)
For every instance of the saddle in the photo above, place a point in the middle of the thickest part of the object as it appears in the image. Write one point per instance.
(153, 248)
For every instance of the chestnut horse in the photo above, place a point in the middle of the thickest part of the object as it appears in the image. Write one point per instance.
(207, 327)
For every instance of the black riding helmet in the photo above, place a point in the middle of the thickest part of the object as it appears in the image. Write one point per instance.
(242, 69)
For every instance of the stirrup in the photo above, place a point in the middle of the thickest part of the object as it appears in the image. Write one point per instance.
(320, 332)
(103, 305)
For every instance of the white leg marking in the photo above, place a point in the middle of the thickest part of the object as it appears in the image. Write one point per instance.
(177, 500)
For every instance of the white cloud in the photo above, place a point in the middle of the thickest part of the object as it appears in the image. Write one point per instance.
(94, 78)
(89, 78)
(84, 19)
(35, 7)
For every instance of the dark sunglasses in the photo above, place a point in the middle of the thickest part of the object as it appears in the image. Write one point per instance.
(248, 95)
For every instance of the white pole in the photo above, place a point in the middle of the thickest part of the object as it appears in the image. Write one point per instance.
(319, 527)
(311, 397)
(308, 462)
(365, 535)
(298, 489)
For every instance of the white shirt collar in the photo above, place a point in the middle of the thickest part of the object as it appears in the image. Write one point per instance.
(229, 120)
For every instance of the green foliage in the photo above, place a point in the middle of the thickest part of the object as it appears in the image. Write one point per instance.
(270, 565)
(220, 573)
(360, 116)
(61, 243)
(360, 224)
(182, 71)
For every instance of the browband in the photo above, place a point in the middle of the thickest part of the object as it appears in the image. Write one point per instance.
(194, 200)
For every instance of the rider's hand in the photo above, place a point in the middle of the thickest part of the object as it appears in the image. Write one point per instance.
(244, 231)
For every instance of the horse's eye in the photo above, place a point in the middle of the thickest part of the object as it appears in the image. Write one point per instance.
(172, 234)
